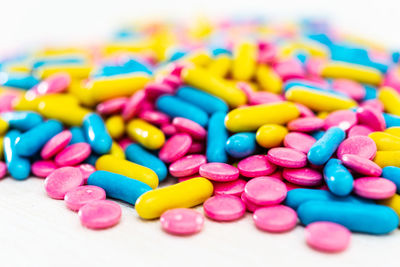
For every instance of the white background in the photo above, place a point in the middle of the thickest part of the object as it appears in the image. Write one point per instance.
(38, 231)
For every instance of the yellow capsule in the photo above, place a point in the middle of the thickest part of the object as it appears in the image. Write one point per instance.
(1, 147)
(20, 67)
(322, 114)
(387, 158)
(393, 202)
(393, 131)
(268, 79)
(127, 47)
(186, 194)
(3, 126)
(350, 71)
(385, 141)
(31, 102)
(145, 133)
(206, 81)
(75, 71)
(317, 100)
(271, 135)
(115, 126)
(198, 58)
(315, 49)
(220, 65)
(253, 117)
(82, 93)
(105, 88)
(244, 61)
(117, 151)
(71, 115)
(129, 169)
(390, 100)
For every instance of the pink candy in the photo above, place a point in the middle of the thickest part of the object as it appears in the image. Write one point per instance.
(154, 117)
(132, 106)
(265, 190)
(374, 187)
(80, 196)
(187, 165)
(234, 188)
(195, 130)
(56, 144)
(307, 124)
(42, 168)
(359, 130)
(55, 83)
(154, 90)
(327, 236)
(256, 165)
(349, 88)
(361, 165)
(73, 154)
(362, 146)
(112, 106)
(299, 141)
(371, 118)
(182, 221)
(62, 180)
(344, 119)
(224, 208)
(219, 172)
(100, 214)
(175, 147)
(86, 170)
(3, 169)
(287, 157)
(275, 219)
(303, 176)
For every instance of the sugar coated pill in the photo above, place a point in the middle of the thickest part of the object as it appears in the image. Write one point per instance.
(80, 196)
(224, 208)
(241, 145)
(303, 176)
(220, 172)
(86, 170)
(338, 178)
(256, 165)
(327, 236)
(56, 144)
(195, 130)
(374, 187)
(42, 168)
(100, 214)
(175, 148)
(22, 120)
(146, 134)
(18, 167)
(271, 135)
(235, 187)
(3, 169)
(308, 124)
(96, 134)
(371, 118)
(287, 157)
(62, 180)
(361, 165)
(187, 165)
(182, 221)
(299, 141)
(362, 146)
(73, 154)
(344, 119)
(265, 190)
(217, 136)
(324, 148)
(275, 219)
(393, 174)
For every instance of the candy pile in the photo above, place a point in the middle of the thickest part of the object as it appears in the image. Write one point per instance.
(287, 121)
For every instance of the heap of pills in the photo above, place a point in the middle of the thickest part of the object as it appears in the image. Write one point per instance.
(292, 122)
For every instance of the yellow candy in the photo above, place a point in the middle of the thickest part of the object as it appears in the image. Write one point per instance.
(393, 131)
(82, 93)
(322, 114)
(206, 81)
(75, 71)
(146, 134)
(72, 115)
(385, 141)
(387, 158)
(31, 102)
(253, 117)
(1, 147)
(350, 71)
(186, 194)
(115, 126)
(244, 61)
(390, 100)
(393, 202)
(199, 58)
(105, 88)
(268, 79)
(220, 66)
(117, 151)
(318, 101)
(129, 169)
(3, 126)
(271, 135)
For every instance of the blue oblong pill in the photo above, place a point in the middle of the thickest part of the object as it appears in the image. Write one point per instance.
(19, 80)
(323, 149)
(18, 167)
(241, 145)
(217, 135)
(22, 120)
(391, 120)
(96, 133)
(338, 178)
(77, 135)
(393, 174)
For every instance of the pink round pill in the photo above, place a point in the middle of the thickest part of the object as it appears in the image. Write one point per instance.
(250, 206)
(3, 169)
(147, 105)
(55, 83)
(258, 98)
(182, 221)
(195, 130)
(224, 208)
(287, 157)
(361, 165)
(275, 219)
(196, 147)
(56, 144)
(219, 172)
(299, 141)
(344, 119)
(371, 118)
(327, 236)
(100, 214)
(374, 104)
(168, 129)
(374, 187)
(350, 88)
(175, 148)
(154, 117)
(87, 170)
(276, 174)
(307, 124)
(359, 130)
(265, 190)
(187, 165)
(234, 188)
(172, 80)
(256, 165)
(80, 196)
(359, 145)
(62, 180)
(154, 90)
(303, 176)
(133, 104)
(73, 154)
(43, 168)
(304, 111)
(112, 106)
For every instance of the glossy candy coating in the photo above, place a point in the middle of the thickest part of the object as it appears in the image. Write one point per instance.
(224, 208)
(80, 196)
(182, 221)
(100, 214)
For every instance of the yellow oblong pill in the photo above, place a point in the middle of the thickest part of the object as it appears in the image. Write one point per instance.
(268, 79)
(145, 133)
(72, 115)
(117, 151)
(385, 141)
(387, 158)
(393, 131)
(82, 93)
(393, 202)
(317, 100)
(75, 71)
(220, 65)
(3, 126)
(271, 135)
(186, 194)
(115, 126)
(390, 100)
(244, 61)
(210, 83)
(199, 58)
(253, 117)
(351, 71)
(129, 169)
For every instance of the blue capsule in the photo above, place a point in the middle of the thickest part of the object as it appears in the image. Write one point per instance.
(22, 120)
(391, 120)
(93, 157)
(77, 135)
(338, 178)
(241, 145)
(364, 218)
(52, 61)
(18, 167)
(129, 66)
(318, 134)
(118, 186)
(203, 100)
(32, 141)
(141, 156)
(176, 107)
(370, 92)
(217, 136)
(393, 174)
(18, 80)
(324, 148)
(96, 134)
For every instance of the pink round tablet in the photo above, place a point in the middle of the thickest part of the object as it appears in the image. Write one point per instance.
(112, 106)
(287, 157)
(73, 154)
(307, 124)
(256, 165)
(196, 147)
(100, 214)
(350, 88)
(187, 165)
(182, 221)
(250, 206)
(374, 104)
(234, 188)
(3, 169)
(154, 117)
(80, 196)
(299, 141)
(87, 170)
(224, 208)
(359, 130)
(374, 187)
(168, 129)
(344, 119)
(304, 111)
(258, 98)
(276, 174)
(43, 168)
(372, 118)
(359, 145)
(195, 130)
(62, 180)
(56, 144)
(361, 165)
(275, 219)
(175, 148)
(154, 90)
(327, 236)
(133, 104)
(55, 83)
(172, 80)
(265, 190)
(219, 172)
(303, 176)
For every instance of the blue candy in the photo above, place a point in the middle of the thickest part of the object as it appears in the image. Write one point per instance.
(22, 120)
(18, 167)
(18, 80)
(217, 136)
(391, 120)
(324, 148)
(241, 145)
(96, 134)
(318, 134)
(393, 174)
(338, 179)
(370, 92)
(52, 61)
(77, 135)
